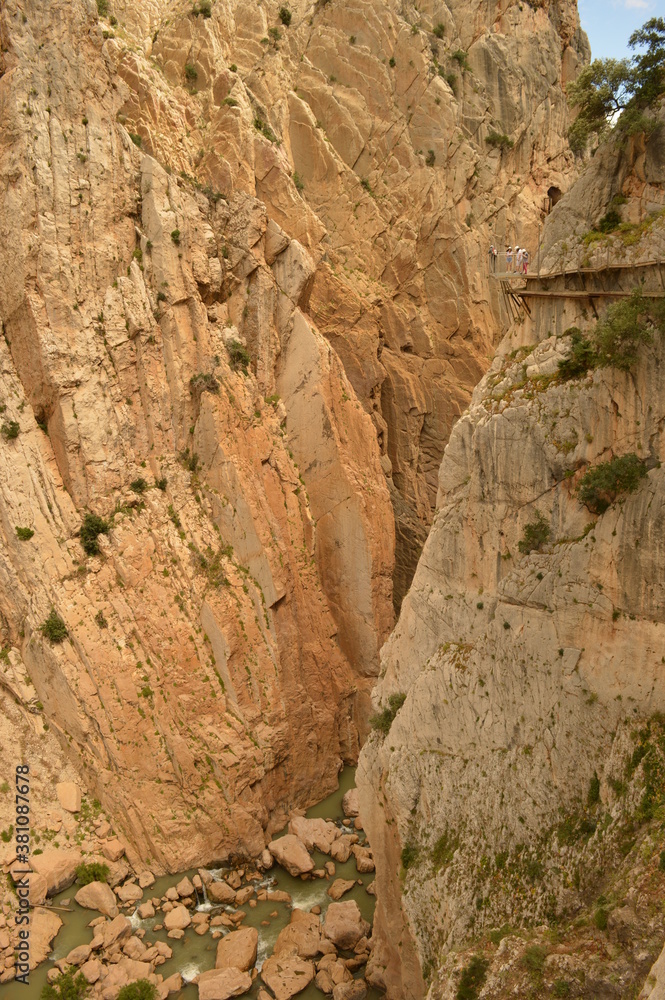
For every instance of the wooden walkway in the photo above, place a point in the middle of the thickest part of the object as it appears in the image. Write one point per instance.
(517, 288)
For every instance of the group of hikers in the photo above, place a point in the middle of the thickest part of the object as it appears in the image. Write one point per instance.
(517, 259)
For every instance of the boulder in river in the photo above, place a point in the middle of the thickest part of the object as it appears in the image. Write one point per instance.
(314, 833)
(220, 892)
(58, 867)
(341, 848)
(44, 926)
(302, 936)
(355, 990)
(129, 893)
(184, 888)
(98, 896)
(339, 887)
(220, 984)
(238, 949)
(177, 919)
(350, 803)
(344, 925)
(286, 975)
(290, 852)
(364, 860)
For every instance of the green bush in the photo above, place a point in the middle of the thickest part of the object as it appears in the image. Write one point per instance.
(609, 221)
(472, 979)
(624, 328)
(203, 382)
(204, 9)
(25, 534)
(593, 795)
(383, 720)
(70, 985)
(460, 56)
(190, 72)
(264, 129)
(139, 485)
(93, 526)
(561, 988)
(10, 431)
(175, 236)
(430, 158)
(536, 534)
(285, 16)
(54, 628)
(140, 990)
(298, 181)
(602, 484)
(94, 871)
(136, 139)
(582, 355)
(499, 140)
(439, 30)
(239, 356)
(600, 918)
(409, 855)
(534, 958)
(444, 850)
(102, 7)
(161, 483)
(101, 620)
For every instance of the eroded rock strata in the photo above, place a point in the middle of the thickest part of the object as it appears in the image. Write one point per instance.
(513, 788)
(244, 300)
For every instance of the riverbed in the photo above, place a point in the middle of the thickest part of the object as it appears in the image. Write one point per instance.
(196, 953)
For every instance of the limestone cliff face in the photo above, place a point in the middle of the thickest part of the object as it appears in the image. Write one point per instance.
(244, 261)
(215, 672)
(508, 789)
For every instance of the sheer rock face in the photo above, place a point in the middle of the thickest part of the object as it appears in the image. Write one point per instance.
(222, 645)
(530, 676)
(215, 672)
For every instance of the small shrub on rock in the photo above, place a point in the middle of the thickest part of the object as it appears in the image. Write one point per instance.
(70, 985)
(534, 958)
(25, 534)
(285, 16)
(175, 236)
(383, 720)
(10, 430)
(409, 855)
(439, 30)
(54, 628)
(582, 355)
(190, 72)
(624, 328)
(102, 7)
(239, 356)
(536, 534)
(603, 484)
(203, 382)
(472, 979)
(93, 871)
(139, 485)
(101, 620)
(498, 140)
(142, 989)
(93, 526)
(460, 57)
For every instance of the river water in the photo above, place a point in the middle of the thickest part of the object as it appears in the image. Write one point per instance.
(196, 953)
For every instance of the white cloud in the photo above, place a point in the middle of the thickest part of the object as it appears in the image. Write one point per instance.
(637, 5)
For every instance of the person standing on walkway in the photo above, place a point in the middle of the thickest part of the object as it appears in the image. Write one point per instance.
(509, 259)
(525, 261)
(492, 257)
(518, 259)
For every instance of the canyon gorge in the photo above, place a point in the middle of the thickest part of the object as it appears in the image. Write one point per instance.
(272, 439)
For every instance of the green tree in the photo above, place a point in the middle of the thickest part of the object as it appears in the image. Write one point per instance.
(618, 91)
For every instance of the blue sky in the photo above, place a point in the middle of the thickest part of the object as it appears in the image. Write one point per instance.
(610, 23)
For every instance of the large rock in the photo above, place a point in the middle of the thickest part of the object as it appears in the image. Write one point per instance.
(302, 936)
(115, 932)
(341, 848)
(220, 984)
(220, 892)
(98, 896)
(184, 888)
(351, 803)
(58, 866)
(129, 893)
(177, 919)
(355, 990)
(238, 949)
(344, 925)
(78, 955)
(69, 795)
(339, 887)
(113, 850)
(44, 925)
(286, 975)
(315, 834)
(290, 852)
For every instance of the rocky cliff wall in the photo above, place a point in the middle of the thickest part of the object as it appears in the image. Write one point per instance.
(505, 788)
(244, 261)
